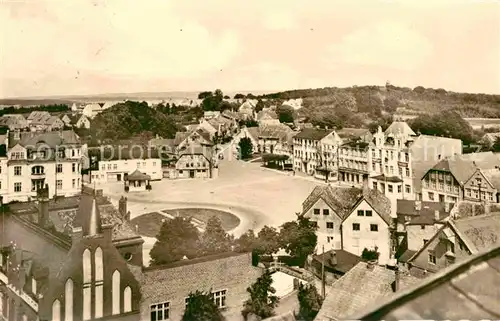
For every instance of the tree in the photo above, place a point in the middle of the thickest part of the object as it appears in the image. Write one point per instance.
(370, 255)
(285, 114)
(309, 300)
(268, 240)
(419, 89)
(246, 148)
(262, 300)
(214, 239)
(239, 96)
(391, 104)
(247, 242)
(260, 105)
(446, 124)
(496, 145)
(204, 94)
(201, 307)
(299, 238)
(177, 238)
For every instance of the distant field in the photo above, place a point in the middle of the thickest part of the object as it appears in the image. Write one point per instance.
(476, 123)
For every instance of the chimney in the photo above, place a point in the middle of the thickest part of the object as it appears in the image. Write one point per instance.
(418, 205)
(122, 206)
(43, 206)
(333, 258)
(107, 231)
(436, 215)
(397, 277)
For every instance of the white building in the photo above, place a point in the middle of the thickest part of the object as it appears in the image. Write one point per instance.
(34, 160)
(118, 164)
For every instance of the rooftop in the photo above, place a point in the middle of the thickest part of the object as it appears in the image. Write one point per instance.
(313, 133)
(466, 290)
(338, 260)
(482, 231)
(340, 200)
(358, 288)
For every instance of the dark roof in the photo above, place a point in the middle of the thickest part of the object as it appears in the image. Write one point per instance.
(338, 260)
(466, 290)
(408, 254)
(352, 132)
(339, 200)
(409, 207)
(482, 231)
(379, 202)
(425, 215)
(390, 179)
(313, 133)
(88, 214)
(137, 176)
(399, 127)
(125, 152)
(52, 139)
(283, 317)
(361, 286)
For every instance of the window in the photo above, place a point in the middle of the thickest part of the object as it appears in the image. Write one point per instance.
(17, 170)
(220, 298)
(59, 168)
(390, 188)
(59, 184)
(361, 213)
(375, 185)
(72, 153)
(68, 301)
(127, 300)
(431, 196)
(355, 227)
(326, 211)
(432, 258)
(400, 171)
(400, 188)
(116, 292)
(329, 239)
(314, 224)
(368, 213)
(407, 172)
(160, 311)
(374, 227)
(115, 166)
(87, 273)
(56, 311)
(73, 182)
(99, 283)
(17, 187)
(73, 167)
(316, 211)
(451, 247)
(329, 225)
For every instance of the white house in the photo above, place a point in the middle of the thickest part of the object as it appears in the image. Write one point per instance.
(91, 110)
(351, 219)
(38, 159)
(118, 167)
(370, 225)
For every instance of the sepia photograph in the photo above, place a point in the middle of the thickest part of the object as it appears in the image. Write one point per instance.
(249, 160)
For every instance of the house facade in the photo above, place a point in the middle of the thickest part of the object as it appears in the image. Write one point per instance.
(369, 226)
(455, 241)
(38, 159)
(228, 275)
(458, 178)
(195, 163)
(116, 170)
(308, 149)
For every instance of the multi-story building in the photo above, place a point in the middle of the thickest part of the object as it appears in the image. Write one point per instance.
(43, 120)
(471, 177)
(385, 162)
(115, 164)
(195, 162)
(36, 159)
(314, 149)
(351, 220)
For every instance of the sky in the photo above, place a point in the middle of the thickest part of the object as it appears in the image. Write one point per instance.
(62, 47)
